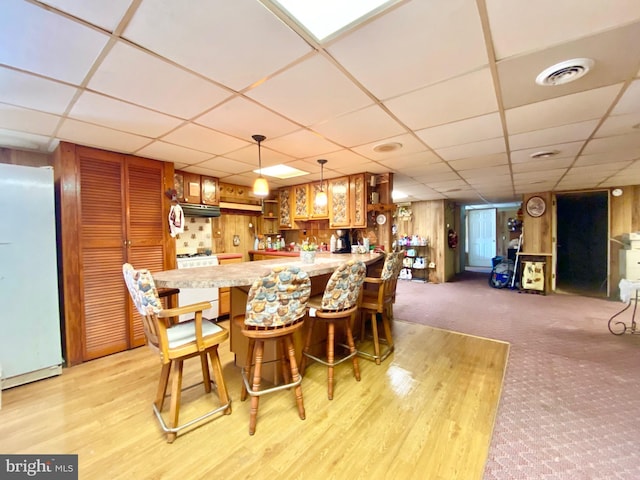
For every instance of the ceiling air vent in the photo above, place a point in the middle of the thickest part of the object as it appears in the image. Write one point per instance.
(564, 72)
(387, 147)
(544, 154)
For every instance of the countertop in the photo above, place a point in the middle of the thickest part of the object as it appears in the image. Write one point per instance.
(274, 253)
(226, 256)
(239, 275)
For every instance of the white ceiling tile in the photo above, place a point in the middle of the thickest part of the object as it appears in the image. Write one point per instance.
(130, 74)
(521, 177)
(29, 91)
(101, 137)
(491, 160)
(340, 157)
(315, 91)
(105, 111)
(228, 166)
(609, 157)
(554, 135)
(448, 186)
(29, 121)
(371, 167)
(173, 153)
(46, 43)
(464, 131)
(103, 14)
(484, 147)
(362, 126)
(24, 141)
(498, 180)
(574, 108)
(409, 162)
(523, 26)
(438, 177)
(563, 150)
(249, 155)
(409, 143)
(541, 164)
(243, 118)
(587, 170)
(479, 173)
(205, 139)
(235, 43)
(302, 144)
(404, 47)
(613, 144)
(440, 103)
(619, 125)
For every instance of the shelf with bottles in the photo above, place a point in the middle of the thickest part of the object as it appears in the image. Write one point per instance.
(415, 263)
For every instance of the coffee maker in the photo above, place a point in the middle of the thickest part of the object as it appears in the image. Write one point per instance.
(343, 241)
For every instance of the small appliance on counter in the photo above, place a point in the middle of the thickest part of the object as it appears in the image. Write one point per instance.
(343, 241)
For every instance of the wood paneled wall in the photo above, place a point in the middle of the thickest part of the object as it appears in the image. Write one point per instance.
(230, 224)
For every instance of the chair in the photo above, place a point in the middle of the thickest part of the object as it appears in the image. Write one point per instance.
(276, 305)
(338, 304)
(377, 303)
(175, 342)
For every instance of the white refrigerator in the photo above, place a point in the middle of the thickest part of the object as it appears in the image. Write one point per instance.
(30, 347)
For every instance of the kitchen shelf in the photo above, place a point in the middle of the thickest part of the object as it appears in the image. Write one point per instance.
(414, 253)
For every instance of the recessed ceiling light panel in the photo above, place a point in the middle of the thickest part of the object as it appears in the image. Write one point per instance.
(564, 72)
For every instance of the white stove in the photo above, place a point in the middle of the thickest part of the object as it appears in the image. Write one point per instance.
(188, 296)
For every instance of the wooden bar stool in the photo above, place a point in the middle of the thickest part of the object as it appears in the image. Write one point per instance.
(337, 305)
(276, 305)
(377, 303)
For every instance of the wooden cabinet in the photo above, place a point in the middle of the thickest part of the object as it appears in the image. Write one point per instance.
(317, 212)
(301, 203)
(209, 190)
(284, 207)
(269, 217)
(187, 186)
(339, 202)
(113, 210)
(224, 294)
(358, 200)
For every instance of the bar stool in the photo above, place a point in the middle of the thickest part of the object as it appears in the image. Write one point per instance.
(338, 304)
(377, 303)
(175, 342)
(276, 305)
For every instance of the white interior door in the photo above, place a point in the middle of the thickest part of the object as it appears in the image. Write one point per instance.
(482, 237)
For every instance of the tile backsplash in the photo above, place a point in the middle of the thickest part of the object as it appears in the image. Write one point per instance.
(196, 235)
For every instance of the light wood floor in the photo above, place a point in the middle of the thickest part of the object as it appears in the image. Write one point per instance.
(427, 413)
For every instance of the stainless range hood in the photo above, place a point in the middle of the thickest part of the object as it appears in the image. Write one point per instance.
(196, 210)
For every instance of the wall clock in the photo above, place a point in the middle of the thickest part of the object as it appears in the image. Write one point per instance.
(536, 206)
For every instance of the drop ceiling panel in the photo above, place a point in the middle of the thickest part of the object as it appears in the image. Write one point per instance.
(404, 47)
(613, 144)
(29, 91)
(540, 164)
(228, 166)
(105, 111)
(554, 135)
(242, 118)
(480, 173)
(130, 74)
(25, 141)
(205, 139)
(315, 91)
(440, 103)
(340, 157)
(464, 131)
(485, 147)
(524, 26)
(480, 161)
(29, 121)
(630, 100)
(612, 65)
(608, 157)
(409, 143)
(574, 108)
(103, 14)
(619, 125)
(433, 178)
(562, 150)
(527, 177)
(408, 163)
(362, 126)
(46, 43)
(371, 167)
(249, 155)
(173, 153)
(101, 137)
(302, 144)
(235, 43)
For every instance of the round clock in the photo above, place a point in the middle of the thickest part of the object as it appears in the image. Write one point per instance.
(536, 206)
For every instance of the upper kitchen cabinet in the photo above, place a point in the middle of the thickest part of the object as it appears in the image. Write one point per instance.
(358, 200)
(301, 202)
(284, 207)
(112, 211)
(269, 217)
(187, 186)
(339, 204)
(318, 212)
(210, 191)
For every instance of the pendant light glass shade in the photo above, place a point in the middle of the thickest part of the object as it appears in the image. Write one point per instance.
(321, 196)
(260, 186)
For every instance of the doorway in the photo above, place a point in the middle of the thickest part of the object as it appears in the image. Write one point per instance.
(582, 243)
(482, 237)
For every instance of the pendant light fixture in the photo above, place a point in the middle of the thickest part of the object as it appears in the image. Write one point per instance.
(321, 196)
(260, 186)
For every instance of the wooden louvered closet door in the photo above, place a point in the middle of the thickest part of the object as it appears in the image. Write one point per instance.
(121, 221)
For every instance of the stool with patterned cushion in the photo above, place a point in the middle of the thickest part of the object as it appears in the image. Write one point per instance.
(276, 305)
(175, 342)
(337, 305)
